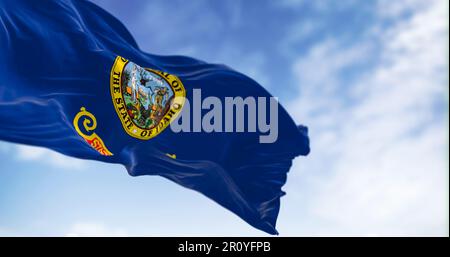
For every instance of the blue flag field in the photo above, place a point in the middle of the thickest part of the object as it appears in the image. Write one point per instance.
(73, 79)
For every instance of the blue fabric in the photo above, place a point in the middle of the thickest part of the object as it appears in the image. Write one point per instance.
(56, 56)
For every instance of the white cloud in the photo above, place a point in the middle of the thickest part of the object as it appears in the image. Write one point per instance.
(318, 5)
(378, 166)
(395, 9)
(46, 156)
(5, 147)
(90, 229)
(6, 233)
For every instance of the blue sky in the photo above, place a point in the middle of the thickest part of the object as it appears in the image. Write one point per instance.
(369, 78)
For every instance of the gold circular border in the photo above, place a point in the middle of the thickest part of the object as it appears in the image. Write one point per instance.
(174, 110)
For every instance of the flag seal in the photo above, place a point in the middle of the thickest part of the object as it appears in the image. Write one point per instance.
(146, 100)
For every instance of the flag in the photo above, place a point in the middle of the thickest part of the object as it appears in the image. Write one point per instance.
(73, 79)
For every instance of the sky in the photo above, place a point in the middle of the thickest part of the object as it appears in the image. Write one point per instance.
(369, 79)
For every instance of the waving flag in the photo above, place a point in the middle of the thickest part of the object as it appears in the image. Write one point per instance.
(73, 79)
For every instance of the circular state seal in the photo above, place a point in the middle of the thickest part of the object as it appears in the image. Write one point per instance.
(145, 100)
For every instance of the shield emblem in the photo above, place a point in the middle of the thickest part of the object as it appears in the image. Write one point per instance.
(146, 100)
